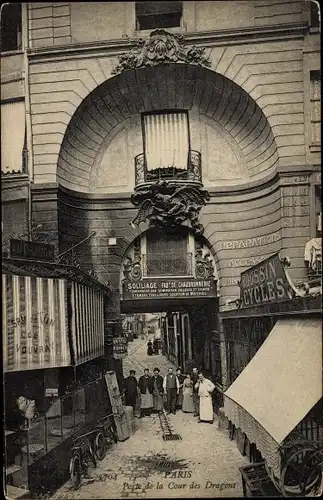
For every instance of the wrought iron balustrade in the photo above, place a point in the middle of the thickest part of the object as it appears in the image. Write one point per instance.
(192, 172)
(167, 265)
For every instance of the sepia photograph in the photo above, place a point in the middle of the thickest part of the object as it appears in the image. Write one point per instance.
(161, 219)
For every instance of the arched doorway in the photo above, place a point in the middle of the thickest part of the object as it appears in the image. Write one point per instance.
(173, 274)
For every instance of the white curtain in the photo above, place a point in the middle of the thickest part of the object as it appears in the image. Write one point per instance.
(166, 140)
(12, 135)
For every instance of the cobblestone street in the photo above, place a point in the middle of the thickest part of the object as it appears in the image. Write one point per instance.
(204, 463)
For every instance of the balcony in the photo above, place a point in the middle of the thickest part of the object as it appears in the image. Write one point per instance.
(193, 172)
(161, 264)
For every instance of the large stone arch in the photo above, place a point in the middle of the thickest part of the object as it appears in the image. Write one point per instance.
(109, 108)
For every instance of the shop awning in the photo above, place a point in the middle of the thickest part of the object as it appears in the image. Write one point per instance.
(280, 385)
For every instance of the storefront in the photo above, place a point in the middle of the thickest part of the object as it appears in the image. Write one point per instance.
(274, 360)
(53, 358)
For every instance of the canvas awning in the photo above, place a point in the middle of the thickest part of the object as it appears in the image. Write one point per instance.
(279, 386)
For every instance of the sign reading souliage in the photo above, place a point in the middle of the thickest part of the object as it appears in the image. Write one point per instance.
(264, 283)
(159, 288)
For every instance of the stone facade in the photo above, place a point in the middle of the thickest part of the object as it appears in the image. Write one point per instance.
(250, 116)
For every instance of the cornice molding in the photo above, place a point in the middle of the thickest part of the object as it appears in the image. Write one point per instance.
(212, 38)
(13, 176)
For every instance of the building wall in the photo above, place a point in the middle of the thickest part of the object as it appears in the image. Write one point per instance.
(54, 23)
(266, 53)
(270, 72)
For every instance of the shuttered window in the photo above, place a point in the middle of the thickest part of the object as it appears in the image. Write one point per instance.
(166, 139)
(12, 136)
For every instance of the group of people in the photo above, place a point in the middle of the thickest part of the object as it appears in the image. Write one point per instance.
(192, 393)
(153, 347)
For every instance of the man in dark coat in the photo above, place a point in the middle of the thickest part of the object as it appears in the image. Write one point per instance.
(156, 346)
(195, 376)
(146, 386)
(130, 389)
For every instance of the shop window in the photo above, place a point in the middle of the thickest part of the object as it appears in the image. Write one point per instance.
(167, 254)
(315, 107)
(152, 15)
(315, 15)
(166, 140)
(11, 27)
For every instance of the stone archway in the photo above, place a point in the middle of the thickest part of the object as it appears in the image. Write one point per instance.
(112, 111)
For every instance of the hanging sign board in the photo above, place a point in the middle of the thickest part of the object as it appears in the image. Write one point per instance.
(31, 250)
(120, 347)
(168, 288)
(51, 393)
(264, 283)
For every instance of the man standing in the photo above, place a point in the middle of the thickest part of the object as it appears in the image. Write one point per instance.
(171, 387)
(195, 392)
(181, 378)
(156, 346)
(146, 387)
(130, 391)
(158, 391)
(205, 388)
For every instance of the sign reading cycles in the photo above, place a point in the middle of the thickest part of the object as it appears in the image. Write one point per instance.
(168, 288)
(264, 283)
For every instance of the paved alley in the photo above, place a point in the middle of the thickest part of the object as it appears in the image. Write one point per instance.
(204, 463)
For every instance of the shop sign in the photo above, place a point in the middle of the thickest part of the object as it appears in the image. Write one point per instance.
(168, 288)
(120, 347)
(264, 283)
(31, 250)
(35, 332)
(51, 393)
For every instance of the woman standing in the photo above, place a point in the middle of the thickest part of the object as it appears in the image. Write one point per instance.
(188, 406)
(146, 387)
(158, 391)
(181, 379)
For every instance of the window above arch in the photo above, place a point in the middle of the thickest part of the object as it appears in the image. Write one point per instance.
(152, 15)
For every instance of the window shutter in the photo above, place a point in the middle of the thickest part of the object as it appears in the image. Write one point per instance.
(12, 135)
(166, 140)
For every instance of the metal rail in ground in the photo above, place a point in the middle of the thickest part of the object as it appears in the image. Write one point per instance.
(167, 431)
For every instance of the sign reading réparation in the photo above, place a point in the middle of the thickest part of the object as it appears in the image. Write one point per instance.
(168, 288)
(258, 241)
(264, 283)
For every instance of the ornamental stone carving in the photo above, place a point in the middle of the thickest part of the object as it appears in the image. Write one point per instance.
(204, 268)
(168, 205)
(161, 48)
(132, 267)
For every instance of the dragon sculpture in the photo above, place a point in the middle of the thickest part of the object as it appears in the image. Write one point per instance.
(166, 204)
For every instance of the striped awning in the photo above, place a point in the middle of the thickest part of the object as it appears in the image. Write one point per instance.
(34, 323)
(87, 323)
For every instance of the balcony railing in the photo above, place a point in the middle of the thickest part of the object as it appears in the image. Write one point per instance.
(167, 265)
(193, 172)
